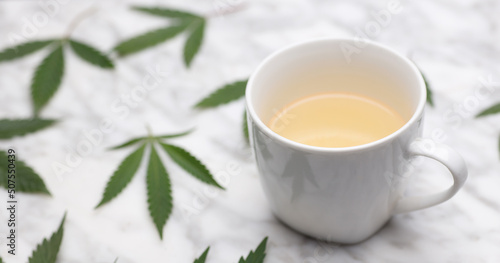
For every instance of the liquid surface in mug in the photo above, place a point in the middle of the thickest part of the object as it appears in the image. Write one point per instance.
(336, 120)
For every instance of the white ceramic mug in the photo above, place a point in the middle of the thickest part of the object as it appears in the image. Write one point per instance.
(342, 194)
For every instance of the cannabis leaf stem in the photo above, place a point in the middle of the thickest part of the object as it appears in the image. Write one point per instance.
(79, 18)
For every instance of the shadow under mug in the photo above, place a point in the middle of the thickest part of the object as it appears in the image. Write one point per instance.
(346, 194)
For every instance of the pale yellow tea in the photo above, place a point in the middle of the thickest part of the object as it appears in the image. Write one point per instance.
(336, 120)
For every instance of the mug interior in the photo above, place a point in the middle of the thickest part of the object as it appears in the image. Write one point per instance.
(321, 66)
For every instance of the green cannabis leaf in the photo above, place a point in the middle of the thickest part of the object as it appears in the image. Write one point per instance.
(26, 179)
(47, 251)
(491, 110)
(201, 259)
(190, 164)
(48, 75)
(227, 93)
(47, 78)
(149, 39)
(90, 54)
(123, 175)
(253, 257)
(159, 191)
(18, 127)
(430, 99)
(23, 49)
(165, 12)
(128, 143)
(175, 135)
(193, 43)
(257, 256)
(182, 21)
(157, 179)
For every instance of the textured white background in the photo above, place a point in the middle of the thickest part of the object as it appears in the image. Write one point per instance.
(454, 42)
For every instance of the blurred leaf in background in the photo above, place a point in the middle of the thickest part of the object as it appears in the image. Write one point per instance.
(430, 98)
(47, 251)
(24, 49)
(489, 111)
(258, 256)
(149, 39)
(49, 73)
(90, 54)
(47, 79)
(26, 180)
(194, 41)
(224, 95)
(192, 24)
(10, 128)
(202, 258)
(253, 257)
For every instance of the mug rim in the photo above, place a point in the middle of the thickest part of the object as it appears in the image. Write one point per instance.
(309, 148)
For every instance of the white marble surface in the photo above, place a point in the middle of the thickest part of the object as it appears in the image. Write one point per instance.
(454, 42)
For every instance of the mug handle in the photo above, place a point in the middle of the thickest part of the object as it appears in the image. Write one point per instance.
(446, 156)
